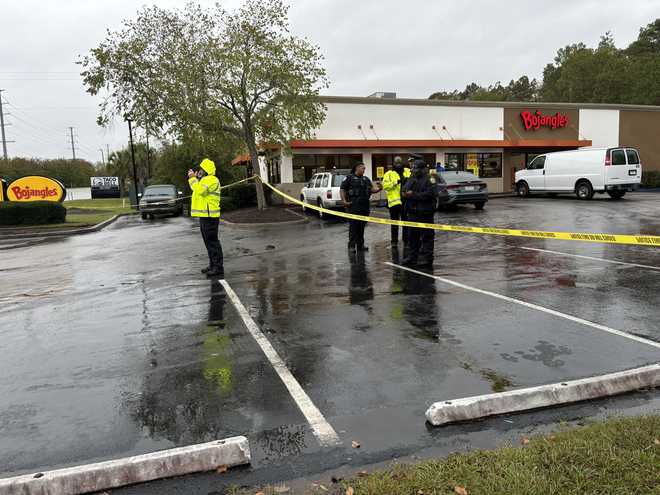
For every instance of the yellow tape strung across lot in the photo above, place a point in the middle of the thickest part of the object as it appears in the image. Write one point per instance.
(637, 239)
(188, 197)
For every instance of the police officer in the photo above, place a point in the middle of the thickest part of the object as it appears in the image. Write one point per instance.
(205, 205)
(421, 200)
(356, 191)
(392, 182)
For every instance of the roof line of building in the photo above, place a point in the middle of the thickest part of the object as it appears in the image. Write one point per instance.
(470, 103)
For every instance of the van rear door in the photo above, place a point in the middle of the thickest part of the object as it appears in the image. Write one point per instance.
(618, 170)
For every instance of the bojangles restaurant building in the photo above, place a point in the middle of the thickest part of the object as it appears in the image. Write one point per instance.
(490, 139)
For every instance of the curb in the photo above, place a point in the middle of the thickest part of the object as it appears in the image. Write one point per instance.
(130, 470)
(555, 394)
(68, 233)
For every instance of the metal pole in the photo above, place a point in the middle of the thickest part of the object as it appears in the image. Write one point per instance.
(73, 146)
(2, 126)
(130, 135)
(148, 161)
(102, 157)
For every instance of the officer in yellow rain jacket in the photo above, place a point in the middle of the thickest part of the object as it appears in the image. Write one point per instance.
(206, 206)
(392, 182)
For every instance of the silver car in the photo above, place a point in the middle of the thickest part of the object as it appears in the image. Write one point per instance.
(463, 188)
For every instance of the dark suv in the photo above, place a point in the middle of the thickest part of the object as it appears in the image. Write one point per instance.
(161, 200)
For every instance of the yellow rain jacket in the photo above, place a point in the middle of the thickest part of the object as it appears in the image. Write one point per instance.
(206, 192)
(392, 185)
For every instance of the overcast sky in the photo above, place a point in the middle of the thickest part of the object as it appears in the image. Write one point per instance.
(412, 47)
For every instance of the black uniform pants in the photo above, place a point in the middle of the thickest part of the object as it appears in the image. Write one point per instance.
(356, 231)
(398, 213)
(420, 241)
(209, 229)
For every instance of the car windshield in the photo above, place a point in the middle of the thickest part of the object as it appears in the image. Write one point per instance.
(337, 180)
(160, 191)
(456, 177)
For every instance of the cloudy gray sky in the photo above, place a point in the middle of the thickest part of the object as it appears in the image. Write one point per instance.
(413, 47)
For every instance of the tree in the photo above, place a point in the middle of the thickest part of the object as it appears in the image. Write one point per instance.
(179, 73)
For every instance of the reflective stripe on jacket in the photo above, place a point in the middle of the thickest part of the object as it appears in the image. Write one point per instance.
(392, 185)
(206, 196)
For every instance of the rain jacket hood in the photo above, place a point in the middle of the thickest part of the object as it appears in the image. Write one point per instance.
(208, 166)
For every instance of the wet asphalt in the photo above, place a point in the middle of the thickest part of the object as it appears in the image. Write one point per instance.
(113, 344)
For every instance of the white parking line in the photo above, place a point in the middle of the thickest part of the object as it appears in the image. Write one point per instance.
(575, 319)
(324, 432)
(592, 258)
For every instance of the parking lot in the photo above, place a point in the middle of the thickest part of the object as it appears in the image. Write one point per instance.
(114, 344)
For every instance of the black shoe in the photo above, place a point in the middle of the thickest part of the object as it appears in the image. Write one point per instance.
(409, 262)
(216, 273)
(206, 270)
(362, 248)
(425, 262)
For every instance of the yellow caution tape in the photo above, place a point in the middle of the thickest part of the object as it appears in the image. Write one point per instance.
(190, 196)
(637, 239)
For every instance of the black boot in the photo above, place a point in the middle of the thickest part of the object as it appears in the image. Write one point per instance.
(206, 270)
(216, 272)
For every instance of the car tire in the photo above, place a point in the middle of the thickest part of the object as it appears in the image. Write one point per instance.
(616, 194)
(584, 190)
(522, 189)
(552, 195)
(319, 203)
(479, 206)
(144, 216)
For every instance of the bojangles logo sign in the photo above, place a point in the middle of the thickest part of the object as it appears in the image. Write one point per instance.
(534, 121)
(36, 188)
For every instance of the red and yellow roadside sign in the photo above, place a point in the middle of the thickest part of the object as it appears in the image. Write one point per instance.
(36, 188)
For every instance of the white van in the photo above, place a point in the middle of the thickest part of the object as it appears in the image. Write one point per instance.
(584, 172)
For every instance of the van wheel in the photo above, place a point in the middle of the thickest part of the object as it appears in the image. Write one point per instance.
(583, 190)
(479, 206)
(616, 194)
(522, 189)
(319, 203)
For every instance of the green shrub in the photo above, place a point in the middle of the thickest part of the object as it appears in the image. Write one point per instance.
(651, 178)
(240, 196)
(31, 213)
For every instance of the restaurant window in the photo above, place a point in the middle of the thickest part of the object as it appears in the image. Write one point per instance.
(490, 165)
(455, 161)
(486, 165)
(304, 166)
(274, 170)
(381, 163)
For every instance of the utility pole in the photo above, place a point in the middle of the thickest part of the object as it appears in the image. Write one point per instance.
(102, 157)
(2, 126)
(107, 151)
(73, 146)
(130, 135)
(148, 161)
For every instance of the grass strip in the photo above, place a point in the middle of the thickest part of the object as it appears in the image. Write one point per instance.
(617, 456)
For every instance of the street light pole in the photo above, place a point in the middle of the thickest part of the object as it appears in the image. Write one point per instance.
(130, 135)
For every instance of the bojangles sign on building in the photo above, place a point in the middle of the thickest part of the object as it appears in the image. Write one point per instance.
(534, 121)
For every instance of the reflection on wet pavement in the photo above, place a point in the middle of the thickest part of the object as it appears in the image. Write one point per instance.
(113, 349)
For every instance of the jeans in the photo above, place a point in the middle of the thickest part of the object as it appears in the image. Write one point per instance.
(209, 229)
